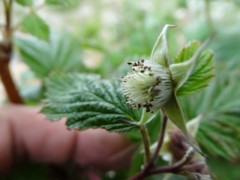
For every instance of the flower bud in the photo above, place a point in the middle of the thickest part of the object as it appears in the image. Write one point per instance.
(148, 85)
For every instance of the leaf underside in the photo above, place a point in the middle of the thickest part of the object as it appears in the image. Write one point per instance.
(89, 102)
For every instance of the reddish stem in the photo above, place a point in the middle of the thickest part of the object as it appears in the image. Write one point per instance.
(9, 85)
(5, 57)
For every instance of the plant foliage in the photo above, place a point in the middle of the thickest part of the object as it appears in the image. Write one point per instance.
(60, 54)
(36, 26)
(201, 74)
(89, 102)
(219, 104)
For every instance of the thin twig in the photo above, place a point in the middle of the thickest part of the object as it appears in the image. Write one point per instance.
(177, 166)
(160, 141)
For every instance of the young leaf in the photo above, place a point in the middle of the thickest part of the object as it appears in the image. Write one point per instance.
(89, 102)
(36, 26)
(60, 55)
(192, 69)
(201, 76)
(25, 2)
(187, 52)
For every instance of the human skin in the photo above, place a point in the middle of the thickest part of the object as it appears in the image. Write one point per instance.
(26, 133)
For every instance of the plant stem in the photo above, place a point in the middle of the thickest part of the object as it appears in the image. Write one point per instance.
(160, 141)
(146, 142)
(145, 172)
(209, 17)
(175, 167)
(9, 85)
(5, 57)
(8, 11)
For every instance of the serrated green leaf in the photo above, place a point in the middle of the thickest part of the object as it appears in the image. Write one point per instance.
(60, 55)
(25, 2)
(220, 137)
(219, 105)
(184, 63)
(36, 26)
(201, 76)
(187, 52)
(89, 102)
(192, 69)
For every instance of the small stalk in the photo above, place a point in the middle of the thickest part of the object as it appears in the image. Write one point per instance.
(146, 142)
(148, 167)
(160, 141)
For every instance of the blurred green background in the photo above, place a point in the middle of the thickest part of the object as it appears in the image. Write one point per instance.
(100, 36)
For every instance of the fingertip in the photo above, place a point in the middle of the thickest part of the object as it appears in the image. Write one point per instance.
(29, 133)
(6, 144)
(98, 148)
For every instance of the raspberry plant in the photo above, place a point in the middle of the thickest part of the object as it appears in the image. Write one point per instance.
(87, 101)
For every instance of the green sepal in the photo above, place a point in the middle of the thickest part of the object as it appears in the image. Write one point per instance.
(147, 117)
(182, 71)
(160, 49)
(174, 113)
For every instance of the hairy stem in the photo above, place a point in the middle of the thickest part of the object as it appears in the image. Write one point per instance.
(5, 56)
(146, 142)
